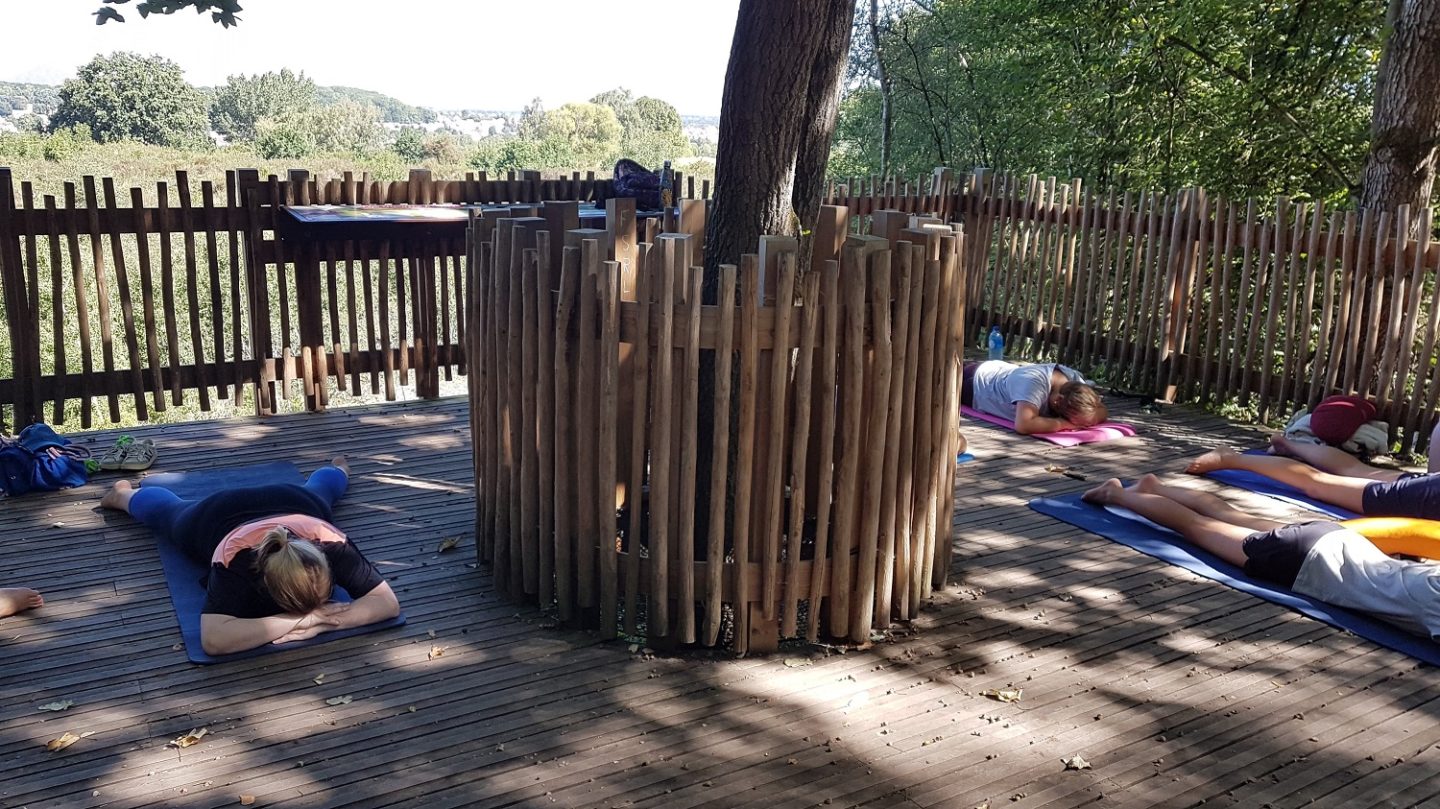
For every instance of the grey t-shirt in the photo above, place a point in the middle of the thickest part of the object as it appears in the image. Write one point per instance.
(1346, 569)
(999, 385)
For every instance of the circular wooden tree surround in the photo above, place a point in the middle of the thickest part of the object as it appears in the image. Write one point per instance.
(831, 435)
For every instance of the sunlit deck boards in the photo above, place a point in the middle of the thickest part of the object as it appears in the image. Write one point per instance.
(1175, 689)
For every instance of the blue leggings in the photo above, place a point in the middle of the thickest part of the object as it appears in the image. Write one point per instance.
(198, 526)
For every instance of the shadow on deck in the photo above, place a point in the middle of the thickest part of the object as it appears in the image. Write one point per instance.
(1178, 691)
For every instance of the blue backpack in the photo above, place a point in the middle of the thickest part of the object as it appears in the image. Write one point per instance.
(26, 466)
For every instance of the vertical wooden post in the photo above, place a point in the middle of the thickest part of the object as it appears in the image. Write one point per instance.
(19, 311)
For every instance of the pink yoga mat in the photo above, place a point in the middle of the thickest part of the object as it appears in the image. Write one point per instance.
(1065, 438)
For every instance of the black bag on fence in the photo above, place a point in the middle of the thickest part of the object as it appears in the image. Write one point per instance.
(27, 465)
(634, 180)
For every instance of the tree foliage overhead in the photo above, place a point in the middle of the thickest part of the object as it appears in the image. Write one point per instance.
(1239, 97)
(129, 96)
(221, 11)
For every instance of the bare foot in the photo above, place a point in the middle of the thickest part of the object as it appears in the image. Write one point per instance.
(119, 496)
(1104, 493)
(1219, 458)
(18, 599)
(1280, 445)
(340, 463)
(1149, 484)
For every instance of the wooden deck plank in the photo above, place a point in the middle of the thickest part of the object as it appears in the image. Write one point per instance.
(514, 714)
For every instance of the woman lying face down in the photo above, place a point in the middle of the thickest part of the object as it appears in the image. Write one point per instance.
(1040, 398)
(273, 558)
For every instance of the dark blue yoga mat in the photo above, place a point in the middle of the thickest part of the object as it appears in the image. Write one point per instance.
(1172, 548)
(186, 577)
(1285, 493)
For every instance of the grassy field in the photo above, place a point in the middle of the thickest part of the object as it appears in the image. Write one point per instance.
(138, 164)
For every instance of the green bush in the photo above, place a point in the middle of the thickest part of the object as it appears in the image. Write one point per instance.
(409, 144)
(66, 143)
(285, 141)
(21, 146)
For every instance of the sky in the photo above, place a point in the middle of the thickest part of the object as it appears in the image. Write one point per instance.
(447, 54)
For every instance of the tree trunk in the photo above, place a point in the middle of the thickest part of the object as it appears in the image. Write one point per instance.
(777, 117)
(1406, 123)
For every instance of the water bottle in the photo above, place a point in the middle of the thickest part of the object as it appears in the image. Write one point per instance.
(997, 344)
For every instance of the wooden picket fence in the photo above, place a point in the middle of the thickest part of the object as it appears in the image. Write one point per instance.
(132, 300)
(1197, 298)
(827, 508)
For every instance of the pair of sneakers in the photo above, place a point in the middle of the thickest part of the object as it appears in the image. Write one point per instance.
(128, 455)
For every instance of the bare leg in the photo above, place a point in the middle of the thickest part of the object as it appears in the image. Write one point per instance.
(18, 599)
(119, 496)
(340, 462)
(1206, 504)
(1339, 490)
(1329, 459)
(1221, 538)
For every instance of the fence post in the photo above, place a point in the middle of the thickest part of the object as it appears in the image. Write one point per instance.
(19, 311)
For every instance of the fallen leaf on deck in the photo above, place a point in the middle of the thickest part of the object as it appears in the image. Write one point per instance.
(179, 647)
(57, 706)
(437, 651)
(320, 678)
(246, 800)
(1060, 470)
(193, 737)
(798, 662)
(345, 700)
(66, 739)
(1075, 762)
(1003, 694)
(448, 543)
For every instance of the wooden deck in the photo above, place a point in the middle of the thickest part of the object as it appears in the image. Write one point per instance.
(1178, 691)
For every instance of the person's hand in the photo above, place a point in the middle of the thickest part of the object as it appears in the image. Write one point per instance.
(334, 609)
(308, 627)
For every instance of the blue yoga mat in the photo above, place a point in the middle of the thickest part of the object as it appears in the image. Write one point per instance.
(186, 577)
(964, 457)
(1274, 489)
(1170, 547)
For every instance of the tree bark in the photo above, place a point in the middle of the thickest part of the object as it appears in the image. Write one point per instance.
(777, 117)
(1405, 126)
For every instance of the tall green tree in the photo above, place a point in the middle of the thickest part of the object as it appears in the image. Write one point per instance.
(591, 132)
(129, 96)
(244, 101)
(651, 128)
(1238, 97)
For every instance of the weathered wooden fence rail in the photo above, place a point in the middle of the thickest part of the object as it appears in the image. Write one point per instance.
(144, 298)
(1199, 298)
(829, 436)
